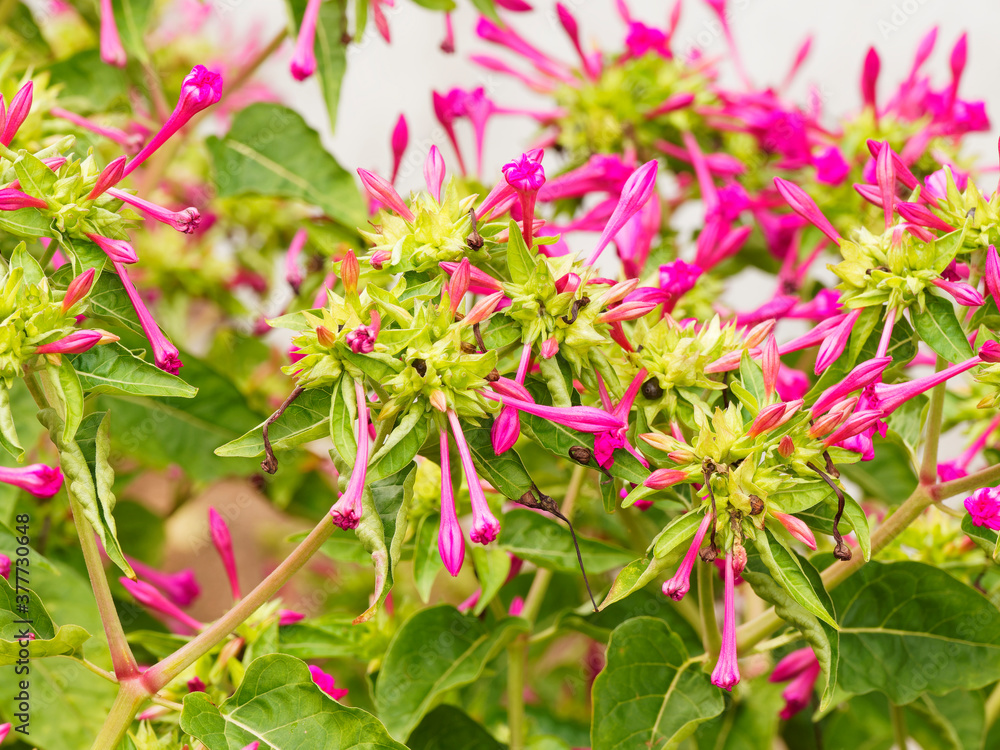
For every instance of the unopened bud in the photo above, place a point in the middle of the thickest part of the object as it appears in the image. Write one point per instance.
(438, 401)
(349, 272)
(325, 336)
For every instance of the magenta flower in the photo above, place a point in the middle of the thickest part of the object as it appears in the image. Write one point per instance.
(663, 478)
(385, 194)
(400, 138)
(637, 190)
(17, 113)
(958, 468)
(148, 596)
(130, 142)
(293, 273)
(347, 510)
(165, 354)
(5, 567)
(771, 417)
(992, 273)
(869, 79)
(891, 397)
(111, 175)
(727, 669)
(112, 51)
(181, 587)
(223, 542)
(918, 213)
(802, 668)
(984, 507)
(860, 377)
(833, 345)
(5, 730)
(74, 343)
(185, 221)
(582, 418)
(12, 199)
(303, 62)
(507, 426)
(961, 292)
(525, 175)
(289, 617)
(327, 683)
(680, 583)
(485, 526)
(451, 543)
(38, 479)
(119, 251)
(434, 172)
(362, 339)
(831, 166)
(805, 207)
(796, 527)
(201, 88)
(196, 685)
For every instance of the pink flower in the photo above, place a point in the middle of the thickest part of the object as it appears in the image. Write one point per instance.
(796, 527)
(346, 512)
(74, 343)
(385, 194)
(526, 176)
(112, 51)
(181, 587)
(833, 345)
(327, 683)
(12, 199)
(637, 190)
(111, 175)
(293, 273)
(165, 354)
(727, 669)
(680, 583)
(860, 377)
(805, 207)
(831, 166)
(434, 172)
(451, 543)
(119, 251)
(802, 668)
(961, 292)
(223, 541)
(304, 60)
(485, 526)
(582, 418)
(185, 221)
(869, 79)
(362, 339)
(984, 507)
(17, 113)
(38, 479)
(5, 567)
(148, 596)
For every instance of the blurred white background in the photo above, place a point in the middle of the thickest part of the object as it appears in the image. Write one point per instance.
(385, 79)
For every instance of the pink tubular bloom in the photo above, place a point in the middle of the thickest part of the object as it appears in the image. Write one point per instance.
(293, 273)
(385, 194)
(362, 339)
(148, 596)
(831, 166)
(861, 376)
(582, 418)
(74, 343)
(112, 51)
(833, 346)
(347, 510)
(38, 479)
(961, 292)
(223, 542)
(796, 527)
(20, 106)
(5, 567)
(891, 397)
(525, 175)
(992, 273)
(480, 282)
(772, 417)
(434, 171)
(451, 543)
(119, 251)
(802, 668)
(984, 507)
(201, 88)
(111, 175)
(918, 213)
(303, 63)
(485, 526)
(131, 142)
(663, 478)
(12, 199)
(727, 670)
(400, 139)
(680, 583)
(289, 617)
(805, 207)
(483, 309)
(185, 221)
(165, 354)
(638, 189)
(507, 426)
(181, 587)
(869, 79)
(459, 284)
(327, 683)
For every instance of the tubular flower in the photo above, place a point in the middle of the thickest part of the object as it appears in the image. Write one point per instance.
(20, 106)
(181, 587)
(223, 542)
(984, 507)
(165, 354)
(12, 199)
(303, 62)
(293, 273)
(38, 479)
(327, 683)
(185, 221)
(485, 526)
(451, 543)
(727, 669)
(112, 51)
(525, 175)
(680, 583)
(802, 669)
(347, 510)
(148, 596)
(638, 189)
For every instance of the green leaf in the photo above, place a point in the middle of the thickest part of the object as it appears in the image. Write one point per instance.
(802, 496)
(401, 446)
(89, 480)
(434, 652)
(48, 641)
(427, 561)
(63, 391)
(983, 536)
(22, 259)
(25, 222)
(111, 368)
(330, 637)
(8, 429)
(270, 150)
(88, 84)
(343, 421)
(108, 301)
(505, 472)
(331, 53)
(651, 694)
(385, 504)
(941, 330)
(306, 419)
(788, 570)
(278, 705)
(545, 542)
(492, 564)
(907, 628)
(823, 638)
(520, 261)
(442, 5)
(448, 727)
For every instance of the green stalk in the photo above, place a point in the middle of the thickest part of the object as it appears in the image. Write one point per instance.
(935, 416)
(130, 698)
(982, 478)
(898, 725)
(993, 707)
(162, 673)
(517, 652)
(710, 635)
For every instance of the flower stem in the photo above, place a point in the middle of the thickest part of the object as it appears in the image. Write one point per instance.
(982, 478)
(161, 674)
(898, 725)
(992, 707)
(517, 653)
(130, 698)
(935, 416)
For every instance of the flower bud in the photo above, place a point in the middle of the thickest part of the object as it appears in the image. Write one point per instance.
(350, 271)
(119, 251)
(38, 479)
(796, 527)
(806, 207)
(325, 337)
(483, 309)
(434, 172)
(663, 478)
(438, 401)
(459, 284)
(379, 189)
(20, 106)
(992, 273)
(787, 446)
(12, 199)
(110, 176)
(78, 288)
(549, 348)
(400, 139)
(223, 542)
